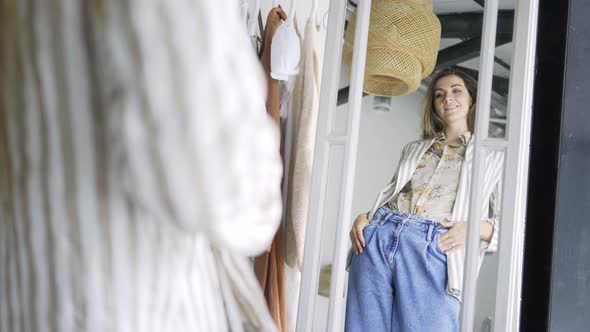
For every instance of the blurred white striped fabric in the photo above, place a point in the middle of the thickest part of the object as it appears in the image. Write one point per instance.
(138, 167)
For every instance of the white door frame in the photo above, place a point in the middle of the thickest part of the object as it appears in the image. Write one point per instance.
(520, 105)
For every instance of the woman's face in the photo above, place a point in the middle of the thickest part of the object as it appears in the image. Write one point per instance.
(451, 100)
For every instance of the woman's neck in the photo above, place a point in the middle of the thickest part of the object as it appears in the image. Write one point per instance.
(452, 133)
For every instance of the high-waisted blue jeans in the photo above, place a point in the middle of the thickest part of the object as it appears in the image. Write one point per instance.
(399, 281)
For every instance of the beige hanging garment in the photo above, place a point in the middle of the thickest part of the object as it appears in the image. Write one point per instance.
(305, 114)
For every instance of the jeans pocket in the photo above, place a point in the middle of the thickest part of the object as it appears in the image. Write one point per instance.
(436, 244)
(349, 259)
(368, 232)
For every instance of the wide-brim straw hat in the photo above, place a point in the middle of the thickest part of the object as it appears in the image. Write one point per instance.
(403, 43)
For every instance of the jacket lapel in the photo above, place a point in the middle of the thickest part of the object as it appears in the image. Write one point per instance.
(461, 206)
(410, 163)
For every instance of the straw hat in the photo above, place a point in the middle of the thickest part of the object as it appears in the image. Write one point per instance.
(404, 38)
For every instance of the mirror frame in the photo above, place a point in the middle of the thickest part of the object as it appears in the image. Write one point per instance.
(328, 136)
(515, 144)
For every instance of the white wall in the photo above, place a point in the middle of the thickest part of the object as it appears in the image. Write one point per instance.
(382, 137)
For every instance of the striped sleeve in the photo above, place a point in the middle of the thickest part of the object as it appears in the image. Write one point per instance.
(399, 164)
(493, 206)
(390, 188)
(494, 209)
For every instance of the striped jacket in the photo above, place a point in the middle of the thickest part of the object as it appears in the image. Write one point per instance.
(138, 168)
(493, 166)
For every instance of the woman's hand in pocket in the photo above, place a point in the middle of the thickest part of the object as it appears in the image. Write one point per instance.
(454, 238)
(356, 233)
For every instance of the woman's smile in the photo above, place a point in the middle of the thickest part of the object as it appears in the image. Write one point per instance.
(451, 108)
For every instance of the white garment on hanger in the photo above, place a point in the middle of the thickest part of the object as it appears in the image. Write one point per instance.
(253, 18)
(286, 88)
(285, 52)
(244, 14)
(303, 123)
(292, 275)
(250, 17)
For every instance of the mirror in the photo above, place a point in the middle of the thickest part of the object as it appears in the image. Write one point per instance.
(385, 126)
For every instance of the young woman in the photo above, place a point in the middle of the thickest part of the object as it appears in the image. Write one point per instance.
(406, 272)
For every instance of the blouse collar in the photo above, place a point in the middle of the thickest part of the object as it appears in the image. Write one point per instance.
(465, 138)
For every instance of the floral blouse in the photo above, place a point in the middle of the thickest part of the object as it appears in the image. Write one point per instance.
(432, 189)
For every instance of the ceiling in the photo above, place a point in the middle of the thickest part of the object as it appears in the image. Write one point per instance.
(503, 53)
(460, 6)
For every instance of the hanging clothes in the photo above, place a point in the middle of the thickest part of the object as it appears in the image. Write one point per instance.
(270, 273)
(285, 52)
(305, 113)
(287, 92)
(250, 16)
(270, 266)
(285, 48)
(303, 126)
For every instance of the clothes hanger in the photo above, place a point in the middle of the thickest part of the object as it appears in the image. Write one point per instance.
(291, 12)
(315, 11)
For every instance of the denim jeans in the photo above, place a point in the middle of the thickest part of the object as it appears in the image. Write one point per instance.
(399, 281)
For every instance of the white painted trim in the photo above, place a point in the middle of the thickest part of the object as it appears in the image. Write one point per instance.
(497, 120)
(313, 234)
(494, 144)
(337, 139)
(481, 133)
(336, 309)
(508, 290)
